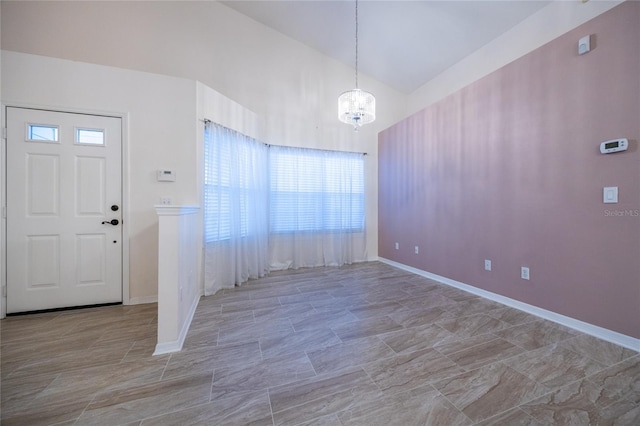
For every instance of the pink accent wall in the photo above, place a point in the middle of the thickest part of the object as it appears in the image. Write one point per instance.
(509, 169)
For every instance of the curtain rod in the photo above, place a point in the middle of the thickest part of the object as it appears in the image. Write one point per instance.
(316, 149)
(207, 121)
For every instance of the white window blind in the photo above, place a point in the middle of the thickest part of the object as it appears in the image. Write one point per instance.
(234, 171)
(313, 190)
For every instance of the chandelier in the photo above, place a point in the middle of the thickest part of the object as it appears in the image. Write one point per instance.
(356, 107)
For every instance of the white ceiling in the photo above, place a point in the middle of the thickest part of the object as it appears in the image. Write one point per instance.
(402, 43)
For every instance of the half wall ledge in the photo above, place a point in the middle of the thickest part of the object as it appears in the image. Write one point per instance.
(178, 295)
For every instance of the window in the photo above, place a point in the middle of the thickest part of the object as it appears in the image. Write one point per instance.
(312, 190)
(269, 208)
(42, 133)
(234, 173)
(216, 191)
(288, 190)
(89, 136)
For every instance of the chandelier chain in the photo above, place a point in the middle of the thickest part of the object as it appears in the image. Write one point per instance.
(356, 44)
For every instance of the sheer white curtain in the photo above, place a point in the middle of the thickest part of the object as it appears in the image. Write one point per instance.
(236, 224)
(317, 208)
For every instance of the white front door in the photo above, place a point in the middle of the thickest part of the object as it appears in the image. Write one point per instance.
(63, 194)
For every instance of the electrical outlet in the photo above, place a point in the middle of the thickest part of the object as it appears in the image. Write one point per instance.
(524, 273)
(416, 249)
(165, 201)
(397, 246)
(487, 265)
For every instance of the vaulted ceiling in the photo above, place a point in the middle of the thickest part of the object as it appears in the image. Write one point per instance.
(403, 44)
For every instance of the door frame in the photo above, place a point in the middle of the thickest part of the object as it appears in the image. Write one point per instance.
(125, 171)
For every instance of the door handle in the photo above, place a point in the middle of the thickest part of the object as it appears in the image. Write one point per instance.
(113, 222)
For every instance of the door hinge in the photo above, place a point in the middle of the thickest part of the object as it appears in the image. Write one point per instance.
(4, 212)
(4, 291)
(4, 133)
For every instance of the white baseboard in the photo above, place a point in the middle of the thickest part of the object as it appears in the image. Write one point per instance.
(167, 348)
(143, 300)
(593, 330)
(176, 346)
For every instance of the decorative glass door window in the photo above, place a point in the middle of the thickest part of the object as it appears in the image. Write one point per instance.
(89, 136)
(42, 133)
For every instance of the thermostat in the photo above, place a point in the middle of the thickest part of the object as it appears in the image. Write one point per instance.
(166, 176)
(614, 145)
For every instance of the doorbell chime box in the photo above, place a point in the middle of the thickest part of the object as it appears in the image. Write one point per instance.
(584, 45)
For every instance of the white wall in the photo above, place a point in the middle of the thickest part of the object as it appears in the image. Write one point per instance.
(292, 88)
(160, 133)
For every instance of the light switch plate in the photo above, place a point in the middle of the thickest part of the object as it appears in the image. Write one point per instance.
(610, 195)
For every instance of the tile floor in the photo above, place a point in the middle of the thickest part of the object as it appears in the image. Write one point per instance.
(366, 344)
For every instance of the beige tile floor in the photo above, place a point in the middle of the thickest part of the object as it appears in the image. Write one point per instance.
(360, 345)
